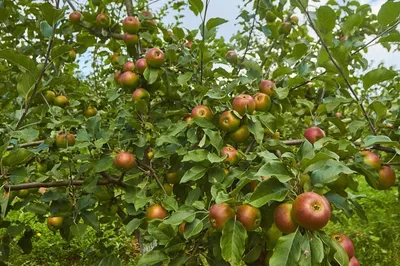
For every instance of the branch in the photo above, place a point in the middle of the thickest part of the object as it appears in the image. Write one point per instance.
(128, 4)
(29, 144)
(203, 24)
(153, 173)
(305, 82)
(250, 146)
(100, 35)
(39, 79)
(337, 67)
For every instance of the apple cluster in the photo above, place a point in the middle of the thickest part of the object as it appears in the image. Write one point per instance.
(348, 246)
(387, 176)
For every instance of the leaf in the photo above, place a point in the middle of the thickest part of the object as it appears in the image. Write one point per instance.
(233, 241)
(215, 22)
(353, 21)
(50, 13)
(380, 139)
(379, 108)
(277, 169)
(25, 84)
(18, 175)
(377, 75)
(151, 75)
(194, 173)
(133, 225)
(184, 78)
(267, 190)
(180, 216)
(256, 129)
(388, 13)
(153, 257)
(340, 202)
(215, 139)
(282, 93)
(91, 219)
(28, 134)
(110, 260)
(37, 208)
(103, 164)
(281, 71)
(19, 60)
(317, 248)
(198, 155)
(78, 230)
(288, 250)
(17, 157)
(196, 6)
(327, 171)
(193, 228)
(46, 29)
(326, 18)
(25, 243)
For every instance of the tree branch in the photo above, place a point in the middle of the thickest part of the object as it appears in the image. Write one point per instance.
(154, 174)
(128, 4)
(203, 25)
(305, 82)
(337, 67)
(29, 144)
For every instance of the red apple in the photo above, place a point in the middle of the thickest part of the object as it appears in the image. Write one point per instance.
(371, 159)
(140, 94)
(228, 121)
(242, 103)
(156, 211)
(124, 161)
(103, 20)
(219, 214)
(249, 216)
(231, 57)
(283, 218)
(131, 39)
(240, 135)
(75, 17)
(155, 57)
(263, 102)
(387, 177)
(354, 262)
(129, 80)
(313, 134)
(345, 242)
(131, 25)
(141, 65)
(233, 155)
(117, 76)
(202, 111)
(65, 140)
(311, 211)
(128, 66)
(267, 87)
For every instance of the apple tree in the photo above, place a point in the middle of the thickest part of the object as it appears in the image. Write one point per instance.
(208, 151)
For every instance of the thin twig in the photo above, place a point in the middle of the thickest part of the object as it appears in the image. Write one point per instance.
(39, 79)
(391, 163)
(250, 146)
(154, 174)
(305, 82)
(128, 4)
(321, 98)
(203, 25)
(100, 35)
(29, 144)
(338, 67)
(268, 53)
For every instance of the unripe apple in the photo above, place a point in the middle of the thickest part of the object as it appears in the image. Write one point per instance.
(228, 121)
(141, 65)
(285, 28)
(156, 211)
(233, 155)
(270, 16)
(54, 223)
(128, 66)
(371, 159)
(61, 101)
(283, 218)
(131, 25)
(71, 56)
(231, 57)
(65, 140)
(263, 102)
(340, 184)
(267, 87)
(114, 59)
(387, 177)
(75, 17)
(168, 36)
(150, 155)
(155, 57)
(23, 193)
(187, 118)
(173, 177)
(244, 103)
(103, 20)
(273, 234)
(140, 94)
(294, 19)
(345, 242)
(49, 96)
(129, 80)
(131, 39)
(313, 134)
(90, 111)
(249, 216)
(354, 262)
(202, 111)
(124, 161)
(240, 135)
(219, 214)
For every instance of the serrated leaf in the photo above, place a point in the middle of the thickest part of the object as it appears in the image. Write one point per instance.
(110, 260)
(184, 78)
(233, 241)
(326, 19)
(193, 228)
(19, 60)
(50, 13)
(197, 155)
(267, 190)
(180, 216)
(194, 173)
(215, 139)
(276, 169)
(370, 140)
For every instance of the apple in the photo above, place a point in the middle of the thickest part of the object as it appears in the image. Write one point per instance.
(23, 193)
(270, 16)
(371, 159)
(128, 66)
(140, 94)
(387, 177)
(41, 167)
(294, 19)
(283, 218)
(311, 211)
(339, 115)
(117, 76)
(187, 118)
(219, 214)
(71, 56)
(228, 121)
(243, 103)
(129, 80)
(313, 134)
(345, 242)
(173, 177)
(354, 262)
(149, 23)
(49, 96)
(249, 216)
(285, 28)
(241, 134)
(90, 111)
(155, 57)
(273, 234)
(233, 155)
(231, 57)
(343, 38)
(254, 183)
(131, 39)
(267, 87)
(181, 227)
(75, 17)
(61, 101)
(124, 161)
(340, 184)
(188, 44)
(54, 223)
(202, 111)
(114, 59)
(156, 211)
(263, 102)
(169, 189)
(131, 25)
(65, 140)
(168, 36)
(103, 20)
(150, 155)
(141, 65)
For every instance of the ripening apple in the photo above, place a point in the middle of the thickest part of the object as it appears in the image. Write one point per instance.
(140, 94)
(155, 57)
(285, 28)
(54, 223)
(267, 87)
(244, 103)
(387, 177)
(313, 134)
(124, 161)
(345, 242)
(173, 177)
(311, 211)
(228, 121)
(270, 16)
(128, 66)
(23, 193)
(240, 135)
(283, 218)
(148, 23)
(103, 20)
(294, 19)
(117, 76)
(371, 159)
(90, 111)
(263, 102)
(181, 227)
(339, 115)
(49, 96)
(114, 58)
(249, 216)
(340, 184)
(202, 111)
(141, 65)
(71, 56)
(129, 80)
(233, 155)
(231, 57)
(131, 25)
(75, 17)
(188, 44)
(65, 140)
(156, 211)
(219, 214)
(131, 39)
(354, 262)
(187, 118)
(61, 101)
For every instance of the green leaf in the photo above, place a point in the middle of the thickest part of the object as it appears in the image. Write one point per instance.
(37, 208)
(388, 13)
(133, 225)
(353, 21)
(184, 78)
(327, 171)
(282, 93)
(215, 22)
(91, 219)
(103, 164)
(295, 3)
(369, 141)
(198, 155)
(110, 260)
(256, 129)
(267, 190)
(17, 157)
(196, 6)
(25, 84)
(317, 248)
(151, 75)
(18, 175)
(193, 228)
(376, 76)
(194, 173)
(46, 29)
(153, 257)
(379, 108)
(233, 241)
(326, 19)
(281, 71)
(277, 169)
(28, 134)
(50, 13)
(19, 60)
(288, 250)
(180, 216)
(215, 139)
(78, 230)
